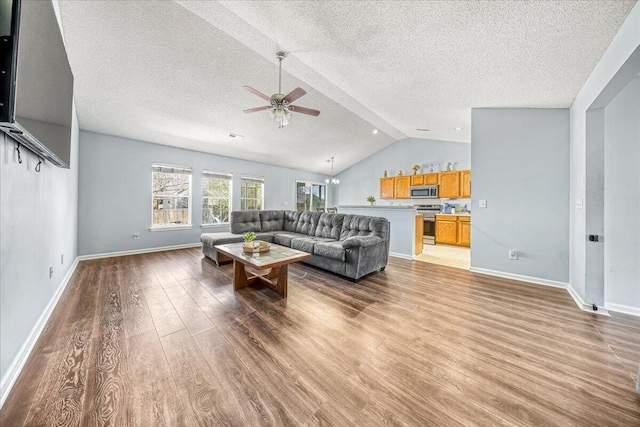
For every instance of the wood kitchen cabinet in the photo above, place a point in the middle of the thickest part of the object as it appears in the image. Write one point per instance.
(403, 183)
(453, 230)
(449, 185)
(446, 230)
(430, 179)
(464, 231)
(387, 188)
(419, 234)
(417, 179)
(465, 184)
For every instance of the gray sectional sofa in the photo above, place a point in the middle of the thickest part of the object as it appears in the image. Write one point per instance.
(350, 245)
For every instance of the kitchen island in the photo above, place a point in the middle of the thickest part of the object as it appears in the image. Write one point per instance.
(402, 222)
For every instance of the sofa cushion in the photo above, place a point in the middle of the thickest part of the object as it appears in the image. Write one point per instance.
(284, 239)
(291, 220)
(306, 244)
(245, 221)
(307, 223)
(330, 226)
(333, 250)
(271, 220)
(358, 225)
(212, 239)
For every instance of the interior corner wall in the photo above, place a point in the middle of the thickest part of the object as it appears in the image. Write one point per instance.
(626, 40)
(115, 191)
(363, 179)
(622, 200)
(520, 164)
(38, 224)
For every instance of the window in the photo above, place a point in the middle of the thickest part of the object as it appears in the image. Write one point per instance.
(171, 204)
(216, 197)
(311, 196)
(251, 193)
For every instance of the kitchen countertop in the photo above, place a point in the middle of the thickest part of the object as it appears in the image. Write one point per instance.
(455, 214)
(375, 207)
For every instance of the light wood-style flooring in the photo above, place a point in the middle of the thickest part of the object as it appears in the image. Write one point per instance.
(162, 339)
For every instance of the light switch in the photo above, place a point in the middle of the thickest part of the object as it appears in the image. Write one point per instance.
(285, 203)
(482, 203)
(580, 203)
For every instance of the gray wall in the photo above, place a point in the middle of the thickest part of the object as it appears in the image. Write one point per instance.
(622, 199)
(115, 191)
(38, 224)
(520, 164)
(363, 179)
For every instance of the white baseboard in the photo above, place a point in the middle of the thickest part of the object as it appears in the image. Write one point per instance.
(619, 308)
(139, 251)
(583, 305)
(398, 255)
(12, 374)
(520, 277)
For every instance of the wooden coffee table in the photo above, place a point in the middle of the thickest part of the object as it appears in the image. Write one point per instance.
(276, 260)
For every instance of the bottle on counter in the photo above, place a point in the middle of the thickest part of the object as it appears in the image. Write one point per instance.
(453, 210)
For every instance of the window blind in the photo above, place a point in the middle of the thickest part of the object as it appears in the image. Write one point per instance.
(158, 167)
(253, 179)
(216, 175)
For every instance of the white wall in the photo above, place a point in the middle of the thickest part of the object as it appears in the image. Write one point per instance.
(520, 164)
(622, 200)
(115, 191)
(624, 43)
(363, 179)
(38, 224)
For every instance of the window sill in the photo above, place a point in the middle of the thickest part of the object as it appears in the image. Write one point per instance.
(216, 225)
(171, 228)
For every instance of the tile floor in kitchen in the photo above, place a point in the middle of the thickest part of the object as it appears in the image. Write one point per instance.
(452, 256)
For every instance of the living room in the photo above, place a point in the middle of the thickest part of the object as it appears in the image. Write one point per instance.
(127, 297)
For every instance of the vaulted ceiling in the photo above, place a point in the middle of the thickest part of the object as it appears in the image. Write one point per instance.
(171, 72)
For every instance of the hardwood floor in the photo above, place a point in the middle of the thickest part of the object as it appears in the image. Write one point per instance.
(162, 339)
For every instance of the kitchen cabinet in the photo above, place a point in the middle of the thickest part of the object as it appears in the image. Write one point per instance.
(446, 230)
(430, 179)
(417, 179)
(464, 231)
(449, 185)
(387, 188)
(465, 184)
(419, 234)
(453, 230)
(402, 187)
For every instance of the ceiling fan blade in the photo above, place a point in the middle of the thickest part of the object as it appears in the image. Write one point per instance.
(295, 94)
(253, 110)
(256, 93)
(303, 110)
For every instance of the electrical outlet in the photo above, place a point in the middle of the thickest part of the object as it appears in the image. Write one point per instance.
(136, 236)
(62, 259)
(513, 254)
(50, 272)
(482, 203)
(285, 203)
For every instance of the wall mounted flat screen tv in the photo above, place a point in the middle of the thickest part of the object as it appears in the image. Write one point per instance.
(36, 83)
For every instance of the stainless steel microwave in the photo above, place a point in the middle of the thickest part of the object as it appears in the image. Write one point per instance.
(424, 192)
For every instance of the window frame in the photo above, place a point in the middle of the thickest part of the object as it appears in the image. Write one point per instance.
(244, 199)
(189, 197)
(311, 184)
(206, 172)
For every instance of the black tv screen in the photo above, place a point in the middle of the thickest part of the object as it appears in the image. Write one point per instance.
(36, 86)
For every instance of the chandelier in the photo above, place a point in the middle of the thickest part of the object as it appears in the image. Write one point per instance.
(333, 179)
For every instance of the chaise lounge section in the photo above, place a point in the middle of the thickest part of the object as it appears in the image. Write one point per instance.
(350, 245)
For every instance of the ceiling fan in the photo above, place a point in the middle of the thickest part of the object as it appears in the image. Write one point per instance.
(280, 109)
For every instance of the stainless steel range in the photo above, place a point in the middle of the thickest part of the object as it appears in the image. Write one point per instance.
(428, 213)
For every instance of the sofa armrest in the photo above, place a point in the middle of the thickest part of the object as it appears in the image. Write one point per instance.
(361, 241)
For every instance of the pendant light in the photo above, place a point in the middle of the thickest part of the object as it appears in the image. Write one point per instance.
(333, 180)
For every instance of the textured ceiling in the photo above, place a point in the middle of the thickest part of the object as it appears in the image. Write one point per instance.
(171, 72)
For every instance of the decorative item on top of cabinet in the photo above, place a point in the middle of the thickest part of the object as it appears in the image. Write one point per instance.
(385, 174)
(465, 183)
(403, 183)
(400, 172)
(449, 185)
(416, 168)
(387, 188)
